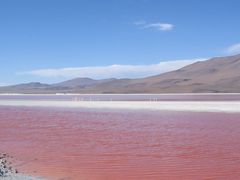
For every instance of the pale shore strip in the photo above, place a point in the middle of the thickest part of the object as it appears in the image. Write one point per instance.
(77, 94)
(189, 106)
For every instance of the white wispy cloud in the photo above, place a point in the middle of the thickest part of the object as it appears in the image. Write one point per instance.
(112, 71)
(158, 26)
(4, 84)
(235, 48)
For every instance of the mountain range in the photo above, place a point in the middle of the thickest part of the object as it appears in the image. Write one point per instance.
(216, 75)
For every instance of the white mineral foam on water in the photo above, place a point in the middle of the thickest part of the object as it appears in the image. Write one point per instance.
(203, 106)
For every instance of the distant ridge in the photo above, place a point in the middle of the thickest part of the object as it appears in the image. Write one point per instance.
(82, 82)
(217, 75)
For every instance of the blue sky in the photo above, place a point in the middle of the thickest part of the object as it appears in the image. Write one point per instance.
(54, 40)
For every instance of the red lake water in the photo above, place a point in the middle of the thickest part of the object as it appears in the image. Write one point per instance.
(68, 144)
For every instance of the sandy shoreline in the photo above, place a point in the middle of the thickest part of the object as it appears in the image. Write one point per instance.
(21, 177)
(195, 106)
(106, 94)
(9, 172)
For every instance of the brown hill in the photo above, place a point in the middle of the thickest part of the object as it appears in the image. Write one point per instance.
(221, 74)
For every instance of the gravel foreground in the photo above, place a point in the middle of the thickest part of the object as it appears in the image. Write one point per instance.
(8, 172)
(20, 177)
